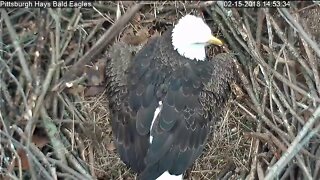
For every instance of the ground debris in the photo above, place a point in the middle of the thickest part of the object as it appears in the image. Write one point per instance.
(270, 129)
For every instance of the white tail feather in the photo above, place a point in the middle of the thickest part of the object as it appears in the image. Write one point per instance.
(156, 113)
(167, 176)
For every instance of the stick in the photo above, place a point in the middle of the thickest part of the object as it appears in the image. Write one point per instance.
(14, 38)
(77, 69)
(295, 146)
(300, 30)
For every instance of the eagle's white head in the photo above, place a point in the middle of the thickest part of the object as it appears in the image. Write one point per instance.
(190, 36)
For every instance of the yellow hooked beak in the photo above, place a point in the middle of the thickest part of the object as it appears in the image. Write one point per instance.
(215, 41)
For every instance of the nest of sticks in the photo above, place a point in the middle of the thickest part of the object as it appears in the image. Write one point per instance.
(54, 117)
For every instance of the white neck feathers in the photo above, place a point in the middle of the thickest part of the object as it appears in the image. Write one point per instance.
(193, 51)
(190, 36)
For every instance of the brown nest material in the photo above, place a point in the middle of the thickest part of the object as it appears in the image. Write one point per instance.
(54, 119)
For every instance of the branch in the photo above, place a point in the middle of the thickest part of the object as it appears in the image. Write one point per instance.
(14, 38)
(288, 17)
(77, 69)
(295, 146)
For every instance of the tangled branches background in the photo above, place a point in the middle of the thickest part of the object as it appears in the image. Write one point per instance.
(54, 114)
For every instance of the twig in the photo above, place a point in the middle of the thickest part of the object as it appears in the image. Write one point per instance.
(14, 38)
(67, 169)
(70, 106)
(5, 131)
(292, 78)
(257, 109)
(61, 150)
(1, 42)
(6, 95)
(66, 176)
(254, 163)
(104, 8)
(53, 132)
(313, 64)
(93, 32)
(295, 146)
(317, 167)
(188, 6)
(39, 50)
(45, 87)
(32, 160)
(258, 57)
(245, 110)
(242, 57)
(26, 148)
(261, 16)
(19, 86)
(302, 165)
(287, 105)
(307, 7)
(91, 161)
(77, 68)
(40, 99)
(67, 36)
(280, 33)
(287, 16)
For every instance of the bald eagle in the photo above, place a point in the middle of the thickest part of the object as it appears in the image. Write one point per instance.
(164, 99)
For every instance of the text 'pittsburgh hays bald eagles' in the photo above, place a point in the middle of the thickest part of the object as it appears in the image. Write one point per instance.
(164, 100)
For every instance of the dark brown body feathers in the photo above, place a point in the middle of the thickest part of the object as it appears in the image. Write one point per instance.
(192, 93)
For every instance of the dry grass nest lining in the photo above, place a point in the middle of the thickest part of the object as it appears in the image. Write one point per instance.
(271, 128)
